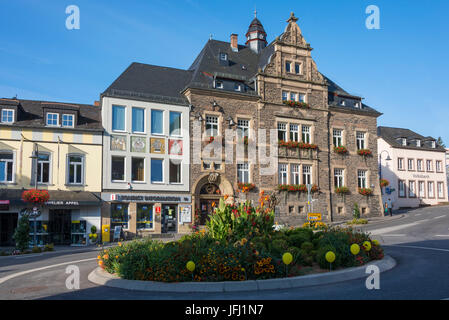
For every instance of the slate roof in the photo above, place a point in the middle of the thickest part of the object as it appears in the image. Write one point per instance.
(392, 135)
(256, 25)
(30, 113)
(151, 83)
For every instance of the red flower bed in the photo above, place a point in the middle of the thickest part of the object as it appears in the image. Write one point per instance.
(35, 196)
(295, 104)
(340, 150)
(297, 188)
(365, 191)
(297, 145)
(364, 152)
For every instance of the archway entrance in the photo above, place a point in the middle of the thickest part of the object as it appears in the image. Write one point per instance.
(209, 197)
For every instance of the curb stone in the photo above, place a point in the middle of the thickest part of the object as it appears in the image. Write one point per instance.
(101, 277)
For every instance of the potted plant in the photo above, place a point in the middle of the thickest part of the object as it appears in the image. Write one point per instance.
(245, 187)
(341, 150)
(93, 236)
(364, 152)
(342, 190)
(365, 191)
(384, 183)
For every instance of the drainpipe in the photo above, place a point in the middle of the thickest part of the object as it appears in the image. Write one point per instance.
(329, 165)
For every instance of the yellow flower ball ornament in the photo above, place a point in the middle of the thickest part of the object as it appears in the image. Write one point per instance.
(190, 266)
(355, 249)
(367, 245)
(287, 258)
(375, 242)
(330, 256)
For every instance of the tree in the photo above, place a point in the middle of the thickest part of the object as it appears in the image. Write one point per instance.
(22, 233)
(440, 142)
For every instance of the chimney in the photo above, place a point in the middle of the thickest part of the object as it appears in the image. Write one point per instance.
(234, 42)
(97, 103)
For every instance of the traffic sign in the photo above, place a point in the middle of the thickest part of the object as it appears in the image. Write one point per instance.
(314, 216)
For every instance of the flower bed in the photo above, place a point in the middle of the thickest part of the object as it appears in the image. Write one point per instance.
(296, 104)
(340, 150)
(239, 244)
(297, 145)
(297, 188)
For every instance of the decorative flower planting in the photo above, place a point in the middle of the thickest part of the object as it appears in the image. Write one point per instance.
(297, 145)
(35, 196)
(384, 183)
(245, 187)
(210, 139)
(340, 150)
(342, 190)
(364, 152)
(296, 104)
(365, 191)
(297, 188)
(240, 244)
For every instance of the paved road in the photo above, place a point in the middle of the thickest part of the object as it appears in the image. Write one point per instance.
(419, 242)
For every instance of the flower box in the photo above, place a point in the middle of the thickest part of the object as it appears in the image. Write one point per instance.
(384, 183)
(245, 187)
(297, 145)
(342, 190)
(296, 104)
(35, 196)
(364, 152)
(365, 191)
(297, 188)
(340, 150)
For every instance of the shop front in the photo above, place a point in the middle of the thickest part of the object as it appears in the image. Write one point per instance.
(139, 215)
(66, 219)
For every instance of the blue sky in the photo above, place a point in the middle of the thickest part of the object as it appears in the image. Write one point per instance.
(401, 70)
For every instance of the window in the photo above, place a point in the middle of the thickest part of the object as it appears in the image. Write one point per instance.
(284, 96)
(157, 170)
(238, 87)
(411, 189)
(43, 168)
(52, 119)
(421, 189)
(243, 172)
(434, 145)
(242, 128)
(118, 169)
(144, 216)
(419, 165)
(217, 166)
(295, 174)
(439, 166)
(302, 97)
(294, 132)
(137, 169)
(418, 143)
(68, 120)
(362, 183)
(411, 163)
(157, 122)
(75, 169)
(212, 126)
(7, 116)
(430, 189)
(404, 142)
(338, 137)
(339, 178)
(288, 66)
(306, 134)
(6, 167)
(175, 171)
(343, 103)
(297, 68)
(175, 123)
(429, 165)
(282, 131)
(223, 56)
(360, 140)
(400, 163)
(401, 188)
(440, 190)
(119, 215)
(206, 165)
(283, 173)
(218, 85)
(138, 120)
(306, 174)
(292, 96)
(118, 118)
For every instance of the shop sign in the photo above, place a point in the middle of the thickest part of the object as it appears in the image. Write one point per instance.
(185, 214)
(149, 198)
(4, 205)
(62, 203)
(158, 209)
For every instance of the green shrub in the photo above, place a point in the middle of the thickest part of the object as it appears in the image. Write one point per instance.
(49, 247)
(22, 233)
(306, 257)
(278, 247)
(307, 246)
(298, 238)
(296, 253)
(36, 249)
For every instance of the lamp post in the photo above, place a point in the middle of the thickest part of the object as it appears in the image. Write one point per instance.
(35, 157)
(380, 161)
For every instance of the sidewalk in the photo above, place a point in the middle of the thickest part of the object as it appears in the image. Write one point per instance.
(373, 220)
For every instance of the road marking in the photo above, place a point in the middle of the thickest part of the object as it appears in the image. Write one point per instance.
(441, 235)
(390, 229)
(394, 235)
(418, 214)
(15, 275)
(424, 248)
(439, 217)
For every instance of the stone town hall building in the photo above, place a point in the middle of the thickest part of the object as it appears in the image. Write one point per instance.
(278, 87)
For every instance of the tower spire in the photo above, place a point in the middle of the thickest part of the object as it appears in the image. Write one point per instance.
(256, 37)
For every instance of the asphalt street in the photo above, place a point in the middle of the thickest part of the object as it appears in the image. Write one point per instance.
(419, 242)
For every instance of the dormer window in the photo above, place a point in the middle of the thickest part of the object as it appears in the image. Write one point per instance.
(434, 145)
(418, 143)
(357, 105)
(52, 119)
(223, 57)
(404, 142)
(68, 120)
(343, 103)
(7, 116)
(219, 85)
(238, 87)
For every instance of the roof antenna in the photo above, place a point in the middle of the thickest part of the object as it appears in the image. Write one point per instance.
(255, 11)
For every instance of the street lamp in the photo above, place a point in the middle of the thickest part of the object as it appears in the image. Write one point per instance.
(35, 157)
(380, 161)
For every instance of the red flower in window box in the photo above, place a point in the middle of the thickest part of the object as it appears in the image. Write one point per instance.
(245, 187)
(296, 104)
(364, 152)
(297, 188)
(297, 145)
(35, 196)
(342, 190)
(340, 150)
(365, 191)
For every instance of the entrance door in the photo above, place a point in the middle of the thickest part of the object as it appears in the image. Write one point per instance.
(169, 218)
(59, 226)
(8, 224)
(206, 209)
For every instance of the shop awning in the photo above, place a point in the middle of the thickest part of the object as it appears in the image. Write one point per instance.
(57, 198)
